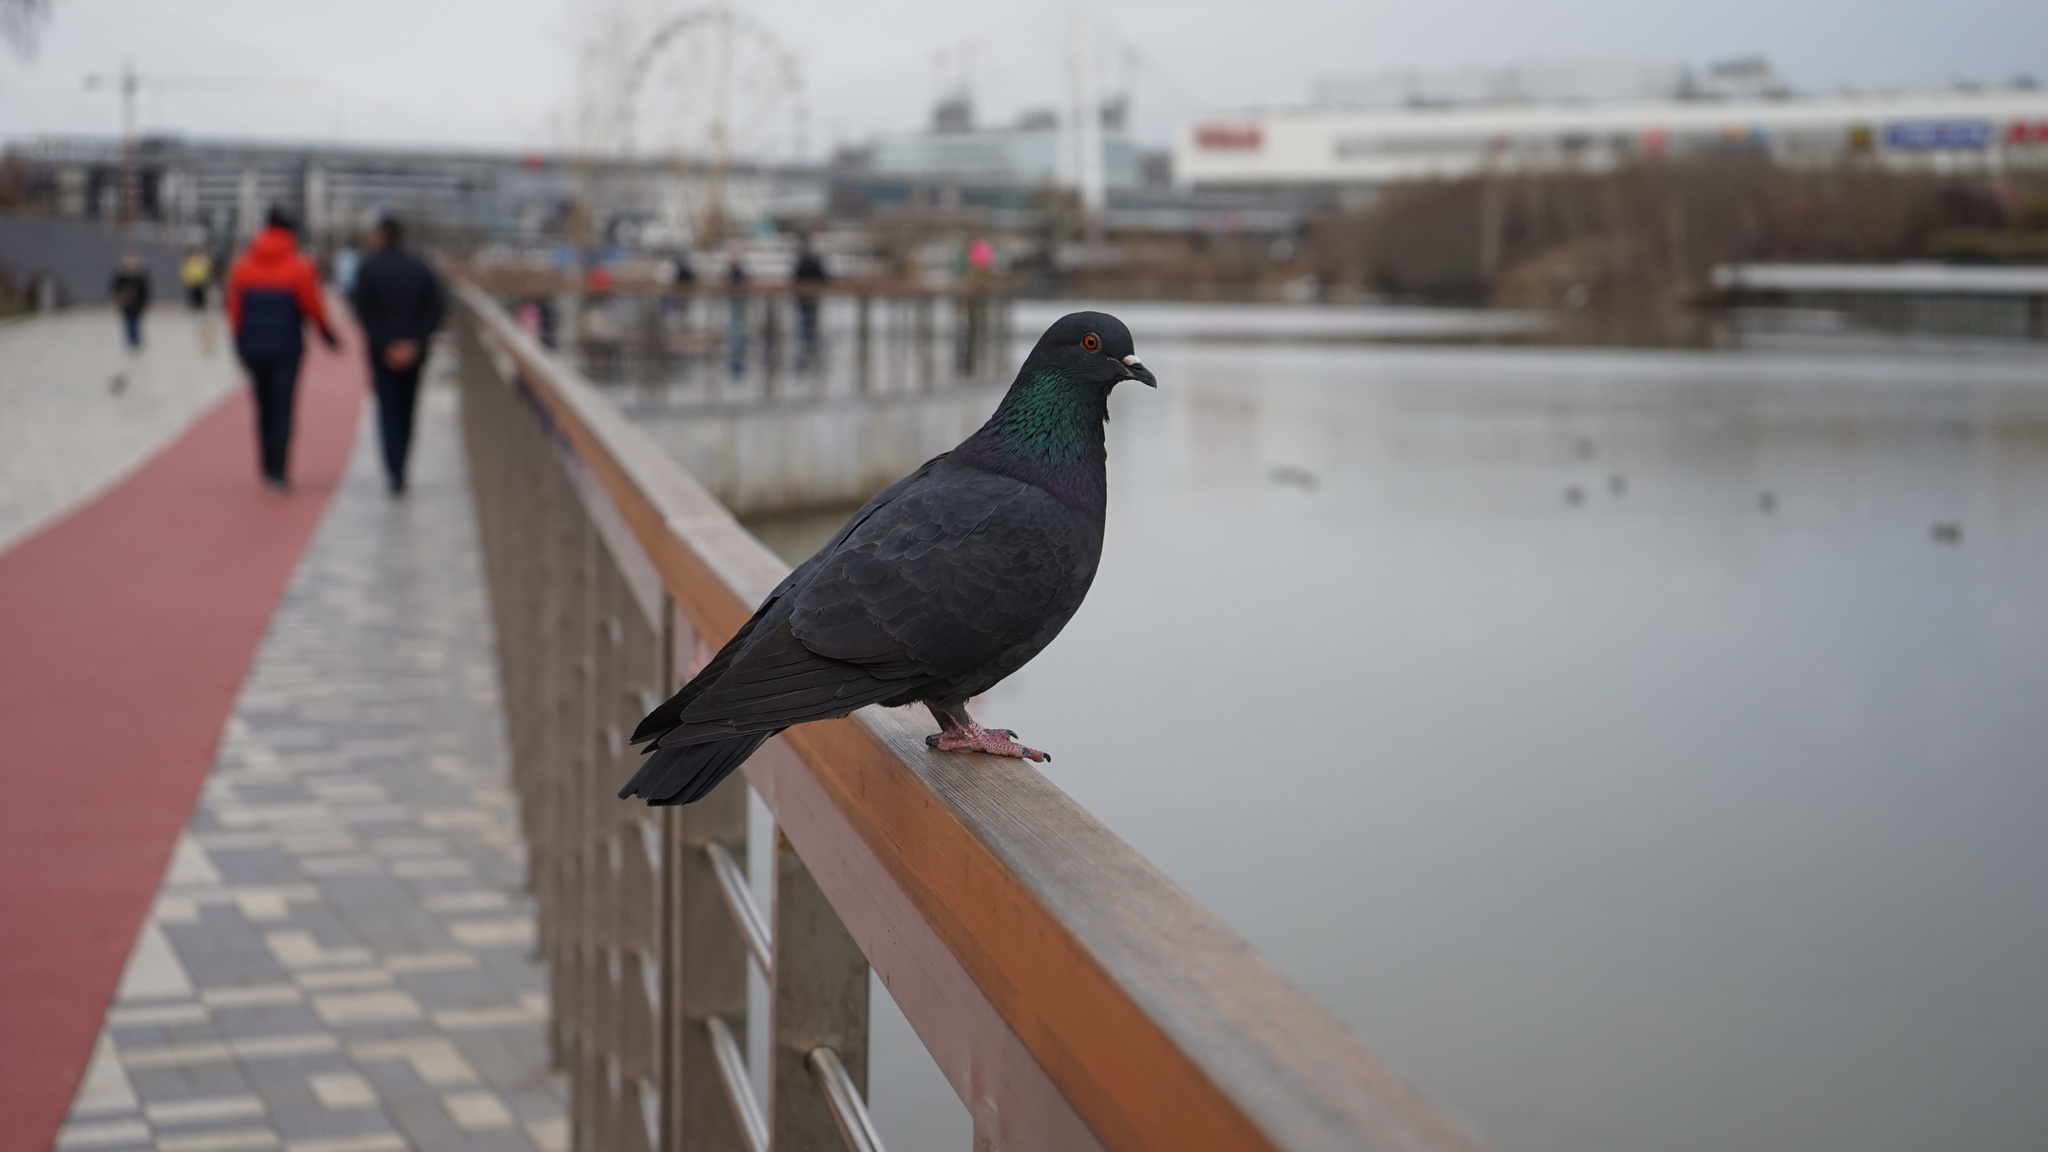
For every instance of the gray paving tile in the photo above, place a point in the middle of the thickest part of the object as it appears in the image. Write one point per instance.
(270, 1020)
(396, 1080)
(313, 1122)
(426, 1123)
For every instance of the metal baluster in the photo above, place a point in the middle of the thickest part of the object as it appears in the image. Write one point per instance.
(732, 1077)
(843, 1097)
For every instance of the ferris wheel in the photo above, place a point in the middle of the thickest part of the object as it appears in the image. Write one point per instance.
(715, 87)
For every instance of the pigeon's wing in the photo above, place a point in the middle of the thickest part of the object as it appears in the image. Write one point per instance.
(669, 715)
(942, 580)
(777, 682)
(945, 581)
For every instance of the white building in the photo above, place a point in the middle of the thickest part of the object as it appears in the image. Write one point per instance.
(1019, 155)
(1024, 154)
(1369, 146)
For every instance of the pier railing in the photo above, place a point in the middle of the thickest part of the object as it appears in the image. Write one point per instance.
(1074, 997)
(871, 333)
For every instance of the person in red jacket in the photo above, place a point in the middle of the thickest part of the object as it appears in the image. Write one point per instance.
(273, 292)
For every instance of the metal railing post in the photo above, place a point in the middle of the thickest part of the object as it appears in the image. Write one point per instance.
(627, 669)
(707, 971)
(820, 1000)
(925, 337)
(863, 344)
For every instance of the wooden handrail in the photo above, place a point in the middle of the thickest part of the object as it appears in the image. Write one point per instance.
(1160, 1026)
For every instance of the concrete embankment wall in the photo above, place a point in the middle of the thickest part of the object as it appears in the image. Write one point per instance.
(788, 456)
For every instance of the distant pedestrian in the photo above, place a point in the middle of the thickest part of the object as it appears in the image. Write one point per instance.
(273, 292)
(399, 302)
(130, 290)
(981, 256)
(683, 281)
(736, 312)
(347, 263)
(195, 272)
(810, 280)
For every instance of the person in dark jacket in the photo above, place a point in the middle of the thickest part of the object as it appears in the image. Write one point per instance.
(736, 312)
(273, 292)
(130, 290)
(399, 302)
(810, 278)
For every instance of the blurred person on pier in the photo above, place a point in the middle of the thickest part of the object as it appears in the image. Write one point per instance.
(343, 268)
(195, 271)
(273, 292)
(399, 302)
(130, 291)
(683, 285)
(736, 311)
(810, 280)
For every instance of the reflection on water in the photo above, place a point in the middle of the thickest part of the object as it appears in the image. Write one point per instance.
(1644, 750)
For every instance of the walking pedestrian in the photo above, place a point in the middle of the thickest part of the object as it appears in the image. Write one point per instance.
(810, 280)
(130, 290)
(683, 285)
(399, 302)
(347, 263)
(273, 292)
(195, 271)
(736, 312)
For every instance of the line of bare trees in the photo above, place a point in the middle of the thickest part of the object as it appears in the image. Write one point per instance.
(1647, 236)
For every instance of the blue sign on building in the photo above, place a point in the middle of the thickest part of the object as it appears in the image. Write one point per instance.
(1937, 135)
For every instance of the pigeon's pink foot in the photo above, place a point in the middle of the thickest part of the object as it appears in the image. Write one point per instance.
(961, 734)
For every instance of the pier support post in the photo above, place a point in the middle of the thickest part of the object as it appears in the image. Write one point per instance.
(923, 337)
(707, 970)
(862, 342)
(820, 1000)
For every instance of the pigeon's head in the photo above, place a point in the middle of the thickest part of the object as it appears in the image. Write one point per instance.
(1091, 347)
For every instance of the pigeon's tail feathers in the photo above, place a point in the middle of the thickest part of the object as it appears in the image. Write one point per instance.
(685, 774)
(670, 713)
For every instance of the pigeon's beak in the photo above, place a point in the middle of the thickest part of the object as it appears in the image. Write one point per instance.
(1134, 369)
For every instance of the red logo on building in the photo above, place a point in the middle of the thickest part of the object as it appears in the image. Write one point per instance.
(2027, 132)
(1228, 137)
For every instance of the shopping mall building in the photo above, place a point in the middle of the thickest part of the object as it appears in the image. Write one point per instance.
(1394, 132)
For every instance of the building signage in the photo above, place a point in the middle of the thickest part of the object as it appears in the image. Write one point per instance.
(1937, 135)
(1238, 137)
(2027, 132)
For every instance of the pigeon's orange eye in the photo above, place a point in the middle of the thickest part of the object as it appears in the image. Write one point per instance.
(1091, 341)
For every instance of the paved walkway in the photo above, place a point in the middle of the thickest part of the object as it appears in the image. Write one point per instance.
(338, 959)
(78, 410)
(127, 626)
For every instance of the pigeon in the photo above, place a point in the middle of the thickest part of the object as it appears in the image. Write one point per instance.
(942, 585)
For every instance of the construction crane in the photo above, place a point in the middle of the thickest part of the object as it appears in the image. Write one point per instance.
(130, 83)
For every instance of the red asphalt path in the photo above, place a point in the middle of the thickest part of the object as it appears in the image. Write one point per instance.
(125, 631)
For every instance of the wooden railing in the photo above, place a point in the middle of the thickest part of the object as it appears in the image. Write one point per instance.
(1073, 995)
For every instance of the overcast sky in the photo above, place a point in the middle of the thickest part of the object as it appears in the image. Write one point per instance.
(500, 73)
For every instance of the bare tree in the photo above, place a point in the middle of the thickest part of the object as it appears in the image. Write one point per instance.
(20, 21)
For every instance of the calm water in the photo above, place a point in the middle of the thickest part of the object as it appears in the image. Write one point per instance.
(1481, 689)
